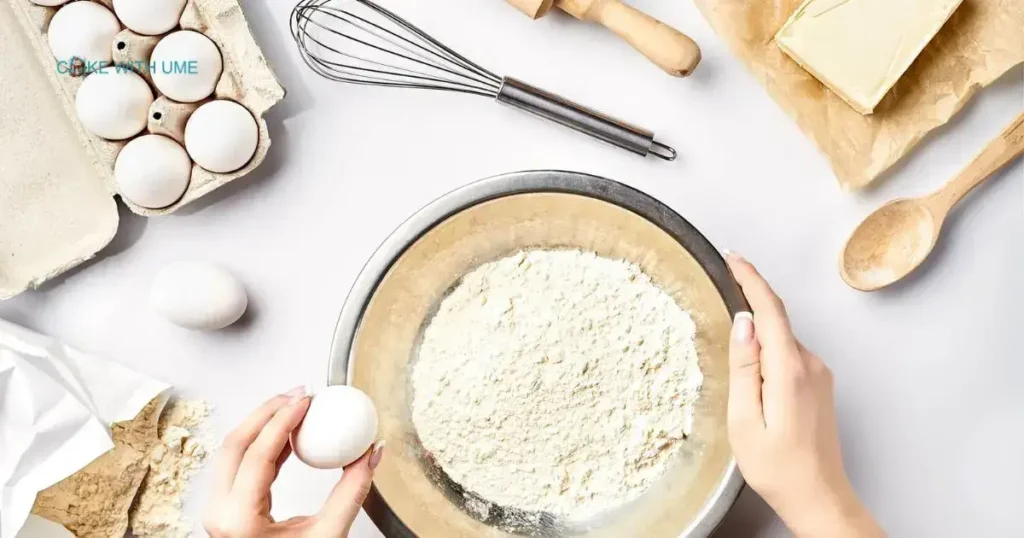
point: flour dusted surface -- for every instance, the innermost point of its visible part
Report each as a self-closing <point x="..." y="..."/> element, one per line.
<point x="156" y="511"/>
<point x="556" y="381"/>
<point x="139" y="483"/>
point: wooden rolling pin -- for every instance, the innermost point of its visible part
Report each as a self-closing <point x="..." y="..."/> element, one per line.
<point x="668" y="48"/>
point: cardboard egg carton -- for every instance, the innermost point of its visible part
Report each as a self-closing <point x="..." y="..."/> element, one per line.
<point x="57" y="189"/>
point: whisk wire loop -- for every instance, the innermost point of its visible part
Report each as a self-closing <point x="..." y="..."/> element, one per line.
<point x="341" y="44"/>
<point x="360" y="42"/>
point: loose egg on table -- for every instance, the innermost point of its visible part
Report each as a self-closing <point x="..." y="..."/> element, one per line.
<point x="221" y="136"/>
<point x="152" y="171"/>
<point x="149" y="17"/>
<point x="83" y="30"/>
<point x="114" y="104"/>
<point x="198" y="295"/>
<point x="338" y="429"/>
<point x="186" y="66"/>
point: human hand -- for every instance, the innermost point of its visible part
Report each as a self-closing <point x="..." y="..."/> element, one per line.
<point x="248" y="464"/>
<point x="782" y="423"/>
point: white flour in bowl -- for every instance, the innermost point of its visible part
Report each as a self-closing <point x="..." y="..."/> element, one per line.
<point x="556" y="381"/>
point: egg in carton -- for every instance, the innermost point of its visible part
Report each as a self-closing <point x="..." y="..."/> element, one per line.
<point x="56" y="193"/>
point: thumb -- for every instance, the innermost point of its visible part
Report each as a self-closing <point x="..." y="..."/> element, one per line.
<point x="745" y="410"/>
<point x="339" y="512"/>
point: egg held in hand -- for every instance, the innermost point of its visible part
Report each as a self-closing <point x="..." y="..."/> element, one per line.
<point x="338" y="429"/>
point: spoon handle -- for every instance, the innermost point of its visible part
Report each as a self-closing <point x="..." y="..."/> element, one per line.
<point x="1005" y="148"/>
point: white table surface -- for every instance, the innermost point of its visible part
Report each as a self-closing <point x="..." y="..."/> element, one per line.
<point x="929" y="373"/>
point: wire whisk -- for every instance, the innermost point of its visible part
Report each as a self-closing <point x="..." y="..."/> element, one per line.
<point x="360" y="42"/>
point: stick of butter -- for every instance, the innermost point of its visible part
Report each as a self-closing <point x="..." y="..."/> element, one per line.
<point x="860" y="48"/>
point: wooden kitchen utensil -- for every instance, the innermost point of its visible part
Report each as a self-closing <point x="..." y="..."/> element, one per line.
<point x="668" y="48"/>
<point x="895" y="239"/>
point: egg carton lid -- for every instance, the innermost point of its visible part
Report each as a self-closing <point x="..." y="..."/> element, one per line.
<point x="57" y="190"/>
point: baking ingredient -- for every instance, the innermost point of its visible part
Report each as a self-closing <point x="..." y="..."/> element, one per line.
<point x="556" y="381"/>
<point x="186" y="66"/>
<point x="152" y="171"/>
<point x="83" y="30"/>
<point x="149" y="17"/>
<point x="94" y="502"/>
<point x="39" y="527"/>
<point x="49" y="3"/>
<point x="198" y="295"/>
<point x="338" y="429"/>
<point x="57" y="207"/>
<point x="113" y="104"/>
<point x="221" y="136"/>
<point x="139" y="483"/>
<point x="860" y="48"/>
<point x="173" y="462"/>
<point x="975" y="48"/>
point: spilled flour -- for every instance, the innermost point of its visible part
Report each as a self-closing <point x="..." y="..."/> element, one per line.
<point x="172" y="463"/>
<point x="556" y="381"/>
<point x="139" y="483"/>
<point x="94" y="502"/>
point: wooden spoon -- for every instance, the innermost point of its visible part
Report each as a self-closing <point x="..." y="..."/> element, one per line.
<point x="895" y="239"/>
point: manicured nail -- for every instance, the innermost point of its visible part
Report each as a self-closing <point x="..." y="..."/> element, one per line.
<point x="297" y="394"/>
<point x="743" y="328"/>
<point x="378" y="452"/>
<point x="730" y="254"/>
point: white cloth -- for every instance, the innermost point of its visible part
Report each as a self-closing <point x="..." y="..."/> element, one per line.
<point x="56" y="408"/>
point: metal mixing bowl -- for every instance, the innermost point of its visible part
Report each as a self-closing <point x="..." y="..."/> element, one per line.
<point x="400" y="287"/>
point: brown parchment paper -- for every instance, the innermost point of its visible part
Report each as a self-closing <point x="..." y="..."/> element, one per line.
<point x="983" y="40"/>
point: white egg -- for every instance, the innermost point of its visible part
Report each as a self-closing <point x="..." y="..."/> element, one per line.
<point x="49" y="3"/>
<point x="83" y="30"/>
<point x="149" y="17"/>
<point x="114" y="104"/>
<point x="152" y="171"/>
<point x="339" y="428"/>
<point x="186" y="66"/>
<point x="198" y="295"/>
<point x="221" y="136"/>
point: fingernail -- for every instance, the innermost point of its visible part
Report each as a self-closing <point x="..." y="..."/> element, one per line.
<point x="730" y="254"/>
<point x="743" y="328"/>
<point x="296" y="394"/>
<point x="378" y="452"/>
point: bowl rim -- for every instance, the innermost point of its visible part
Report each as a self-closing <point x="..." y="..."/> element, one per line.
<point x="511" y="184"/>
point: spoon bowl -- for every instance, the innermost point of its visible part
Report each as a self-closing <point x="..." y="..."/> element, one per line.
<point x="889" y="244"/>
<point x="896" y="238"/>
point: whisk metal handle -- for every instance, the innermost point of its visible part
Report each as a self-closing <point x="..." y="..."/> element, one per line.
<point x="547" y="105"/>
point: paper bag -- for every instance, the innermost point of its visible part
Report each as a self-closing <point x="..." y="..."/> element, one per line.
<point x="56" y="408"/>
